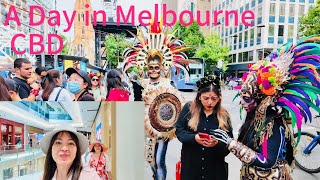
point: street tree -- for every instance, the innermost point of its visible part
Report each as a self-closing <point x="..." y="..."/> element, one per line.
<point x="212" y="51"/>
<point x="66" y="45"/>
<point x="115" y="44"/>
<point x="190" y="35"/>
<point x="310" y="23"/>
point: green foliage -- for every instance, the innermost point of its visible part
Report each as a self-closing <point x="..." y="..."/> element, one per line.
<point x="115" y="45"/>
<point x="310" y="23"/>
<point x="190" y="35"/>
<point x="65" y="48"/>
<point x="212" y="51"/>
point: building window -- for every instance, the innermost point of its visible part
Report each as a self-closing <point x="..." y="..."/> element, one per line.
<point x="311" y="1"/>
<point x="240" y="57"/>
<point x="245" y="57"/>
<point x="272" y="9"/>
<point x="291" y="20"/>
<point x="282" y="9"/>
<point x="270" y="40"/>
<point x="290" y="30"/>
<point x="234" y="58"/>
<point x="192" y="7"/>
<point x="271" y="30"/>
<point x="272" y="19"/>
<point x="250" y="56"/>
<point x="259" y="11"/>
<point x="280" y="40"/>
<point x="281" y="30"/>
<point x="301" y="10"/>
<point x="291" y="10"/>
<point x="281" y="19"/>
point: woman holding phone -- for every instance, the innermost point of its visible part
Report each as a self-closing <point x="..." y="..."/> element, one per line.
<point x="202" y="156"/>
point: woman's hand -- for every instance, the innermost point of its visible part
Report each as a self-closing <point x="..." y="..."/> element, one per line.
<point x="210" y="142"/>
<point x="199" y="140"/>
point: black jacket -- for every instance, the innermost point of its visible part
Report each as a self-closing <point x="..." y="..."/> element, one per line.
<point x="199" y="162"/>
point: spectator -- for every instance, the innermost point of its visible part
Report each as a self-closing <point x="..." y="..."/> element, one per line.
<point x="115" y="89"/>
<point x="4" y="93"/>
<point x="3" y="73"/>
<point x="13" y="89"/>
<point x="23" y="69"/>
<point x="52" y="90"/>
<point x="40" y="72"/>
<point x="97" y="90"/>
<point x="79" y="83"/>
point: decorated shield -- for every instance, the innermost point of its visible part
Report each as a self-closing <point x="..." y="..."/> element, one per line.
<point x="163" y="106"/>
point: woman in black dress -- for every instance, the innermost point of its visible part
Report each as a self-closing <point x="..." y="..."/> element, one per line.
<point x="203" y="157"/>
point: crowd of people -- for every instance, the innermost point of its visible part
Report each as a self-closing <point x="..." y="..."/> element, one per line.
<point x="39" y="84"/>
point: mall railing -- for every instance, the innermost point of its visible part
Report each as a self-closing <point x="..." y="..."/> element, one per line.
<point x="20" y="160"/>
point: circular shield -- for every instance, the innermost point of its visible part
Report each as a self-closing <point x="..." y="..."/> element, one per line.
<point x="162" y="110"/>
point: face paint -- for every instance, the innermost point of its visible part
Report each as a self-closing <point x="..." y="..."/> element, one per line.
<point x="249" y="87"/>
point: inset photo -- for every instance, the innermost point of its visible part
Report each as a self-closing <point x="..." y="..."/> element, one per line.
<point x="51" y="140"/>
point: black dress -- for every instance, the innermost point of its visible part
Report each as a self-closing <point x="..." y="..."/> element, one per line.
<point x="199" y="162"/>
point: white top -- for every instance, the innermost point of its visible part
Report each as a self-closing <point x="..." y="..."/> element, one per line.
<point x="63" y="96"/>
<point x="86" y="173"/>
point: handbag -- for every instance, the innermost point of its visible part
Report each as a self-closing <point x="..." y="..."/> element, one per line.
<point x="178" y="170"/>
<point x="278" y="171"/>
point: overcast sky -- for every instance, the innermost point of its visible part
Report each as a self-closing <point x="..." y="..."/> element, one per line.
<point x="68" y="5"/>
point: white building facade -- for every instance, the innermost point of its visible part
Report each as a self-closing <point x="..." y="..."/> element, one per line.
<point x="275" y="23"/>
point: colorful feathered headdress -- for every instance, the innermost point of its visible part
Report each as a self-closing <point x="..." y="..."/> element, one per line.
<point x="289" y="78"/>
<point x="154" y="39"/>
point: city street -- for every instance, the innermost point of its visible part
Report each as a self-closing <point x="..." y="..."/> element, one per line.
<point x="173" y="153"/>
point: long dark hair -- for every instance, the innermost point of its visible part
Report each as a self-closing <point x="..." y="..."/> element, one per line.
<point x="4" y="91"/>
<point x="50" y="82"/>
<point x="50" y="165"/>
<point x="114" y="81"/>
<point x="196" y="108"/>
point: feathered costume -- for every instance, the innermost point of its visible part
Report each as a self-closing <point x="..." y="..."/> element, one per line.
<point x="283" y="87"/>
<point x="163" y="102"/>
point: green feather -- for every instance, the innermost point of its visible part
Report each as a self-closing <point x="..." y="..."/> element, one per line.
<point x="294" y="92"/>
<point x="293" y="116"/>
<point x="306" y="87"/>
<point x="237" y="95"/>
<point x="311" y="94"/>
<point x="312" y="105"/>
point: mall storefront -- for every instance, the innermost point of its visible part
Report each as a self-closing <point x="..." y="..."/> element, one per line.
<point x="12" y="135"/>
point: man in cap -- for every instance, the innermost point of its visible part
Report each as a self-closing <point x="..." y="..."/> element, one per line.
<point x="78" y="84"/>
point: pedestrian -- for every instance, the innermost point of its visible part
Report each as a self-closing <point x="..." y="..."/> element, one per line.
<point x="63" y="148"/>
<point x="275" y="91"/>
<point x="52" y="90"/>
<point x="202" y="156"/>
<point x="40" y="73"/>
<point x="3" y="73"/>
<point x="79" y="84"/>
<point x="23" y="69"/>
<point x="115" y="89"/>
<point x="99" y="160"/>
<point x="97" y="89"/>
<point x="4" y="91"/>
<point x="13" y="89"/>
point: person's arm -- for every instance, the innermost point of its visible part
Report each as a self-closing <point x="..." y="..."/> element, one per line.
<point x="222" y="146"/>
<point x="249" y="156"/>
<point x="182" y="132"/>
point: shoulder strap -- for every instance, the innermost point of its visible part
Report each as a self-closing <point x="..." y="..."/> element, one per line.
<point x="58" y="94"/>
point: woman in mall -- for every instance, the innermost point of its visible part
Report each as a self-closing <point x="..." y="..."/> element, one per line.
<point x="63" y="148"/>
<point x="52" y="88"/>
<point x="99" y="160"/>
<point x="98" y="91"/>
<point x="202" y="156"/>
<point x="115" y="89"/>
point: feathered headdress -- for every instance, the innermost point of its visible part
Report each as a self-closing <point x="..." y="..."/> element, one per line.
<point x="155" y="39"/>
<point x="290" y="79"/>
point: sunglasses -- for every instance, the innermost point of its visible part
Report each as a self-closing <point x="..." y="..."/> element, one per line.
<point x="94" y="79"/>
<point x="153" y="68"/>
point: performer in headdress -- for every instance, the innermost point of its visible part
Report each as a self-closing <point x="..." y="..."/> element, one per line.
<point x="281" y="88"/>
<point x="157" y="52"/>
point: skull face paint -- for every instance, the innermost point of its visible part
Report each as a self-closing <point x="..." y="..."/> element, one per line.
<point x="249" y="87"/>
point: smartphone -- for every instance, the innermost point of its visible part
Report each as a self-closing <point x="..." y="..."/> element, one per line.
<point x="204" y="135"/>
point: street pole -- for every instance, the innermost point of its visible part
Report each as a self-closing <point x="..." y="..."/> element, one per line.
<point x="55" y="60"/>
<point x="43" y="58"/>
